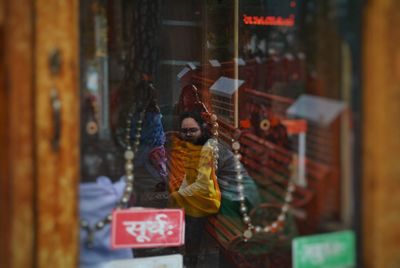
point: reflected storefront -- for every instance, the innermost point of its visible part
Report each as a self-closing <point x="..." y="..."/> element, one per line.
<point x="238" y="112"/>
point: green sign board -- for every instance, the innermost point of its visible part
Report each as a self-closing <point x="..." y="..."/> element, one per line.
<point x="332" y="250"/>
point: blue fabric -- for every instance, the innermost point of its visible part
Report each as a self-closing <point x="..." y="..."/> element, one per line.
<point x="152" y="136"/>
<point x="96" y="201"/>
<point x="152" y="133"/>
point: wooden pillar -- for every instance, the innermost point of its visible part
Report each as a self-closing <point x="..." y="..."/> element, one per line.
<point x="38" y="185"/>
<point x="16" y="138"/>
<point x="381" y="134"/>
<point x="57" y="169"/>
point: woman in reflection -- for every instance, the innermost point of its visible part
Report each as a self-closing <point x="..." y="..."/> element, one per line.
<point x="192" y="179"/>
<point x="196" y="184"/>
<point x="194" y="132"/>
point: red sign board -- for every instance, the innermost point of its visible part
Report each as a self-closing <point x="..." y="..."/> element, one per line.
<point x="269" y="20"/>
<point x="144" y="228"/>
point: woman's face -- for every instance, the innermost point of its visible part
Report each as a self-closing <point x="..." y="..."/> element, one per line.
<point x="190" y="130"/>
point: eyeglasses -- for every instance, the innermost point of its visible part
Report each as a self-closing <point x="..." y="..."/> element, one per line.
<point x="189" y="131"/>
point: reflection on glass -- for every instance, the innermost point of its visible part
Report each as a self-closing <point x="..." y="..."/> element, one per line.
<point x="230" y="112"/>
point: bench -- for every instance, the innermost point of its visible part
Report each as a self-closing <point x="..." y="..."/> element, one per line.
<point x="268" y="164"/>
<point x="262" y="250"/>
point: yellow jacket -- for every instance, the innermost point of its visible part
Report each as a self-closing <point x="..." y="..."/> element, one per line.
<point x="192" y="180"/>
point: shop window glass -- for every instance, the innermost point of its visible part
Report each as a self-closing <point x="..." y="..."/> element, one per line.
<point x="274" y="73"/>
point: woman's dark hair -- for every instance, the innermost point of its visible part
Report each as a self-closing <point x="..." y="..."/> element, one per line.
<point x="196" y="115"/>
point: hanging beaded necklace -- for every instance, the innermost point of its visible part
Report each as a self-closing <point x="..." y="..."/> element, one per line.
<point x="214" y="140"/>
<point x="250" y="228"/>
<point x="129" y="156"/>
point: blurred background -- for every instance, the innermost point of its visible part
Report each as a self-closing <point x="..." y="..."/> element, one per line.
<point x="313" y="86"/>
